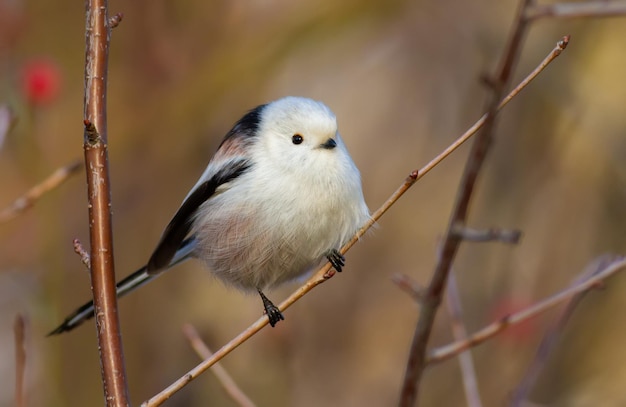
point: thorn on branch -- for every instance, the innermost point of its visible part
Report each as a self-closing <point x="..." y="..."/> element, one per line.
<point x="115" y="20"/>
<point x="510" y="236"/>
<point x="409" y="286"/>
<point x="91" y="133"/>
<point x="329" y="274"/>
<point x="84" y="255"/>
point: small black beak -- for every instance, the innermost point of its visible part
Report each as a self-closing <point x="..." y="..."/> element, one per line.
<point x="329" y="144"/>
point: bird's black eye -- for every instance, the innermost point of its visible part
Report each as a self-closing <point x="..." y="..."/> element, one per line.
<point x="297" y="139"/>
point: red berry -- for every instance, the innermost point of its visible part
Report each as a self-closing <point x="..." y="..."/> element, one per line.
<point x="41" y="81"/>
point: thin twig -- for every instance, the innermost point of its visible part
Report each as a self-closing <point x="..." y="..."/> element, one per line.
<point x="510" y="236"/>
<point x="577" y="10"/>
<point x="99" y="197"/>
<point x="446" y="352"/>
<point x="222" y="375"/>
<point x="19" y="328"/>
<point x="409" y="286"/>
<point x="466" y="362"/>
<point x="550" y="338"/>
<point x="416" y="361"/>
<point x="27" y="200"/>
<point x="561" y="45"/>
<point x="325" y="271"/>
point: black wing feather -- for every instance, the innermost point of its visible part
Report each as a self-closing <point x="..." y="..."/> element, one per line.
<point x="180" y="225"/>
<point x="247" y="126"/>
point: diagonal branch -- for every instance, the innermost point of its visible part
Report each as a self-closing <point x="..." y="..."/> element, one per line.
<point x="446" y="352"/>
<point x="227" y="382"/>
<point x="27" y="200"/>
<point x="451" y="242"/>
<point x="325" y="272"/>
<point x="550" y="339"/>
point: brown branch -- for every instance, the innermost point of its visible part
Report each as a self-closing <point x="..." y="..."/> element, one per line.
<point x="488" y="235"/>
<point x="227" y="382"/>
<point x="577" y="10"/>
<point x="552" y="334"/>
<point x="446" y="352"/>
<point x="417" y="354"/>
<point x="325" y="272"/>
<point x="19" y="328"/>
<point x="99" y="197"/>
<point x="27" y="200"/>
<point x="468" y="371"/>
<point x="409" y="286"/>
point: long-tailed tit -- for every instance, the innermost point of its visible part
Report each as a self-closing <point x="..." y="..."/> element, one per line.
<point x="280" y="196"/>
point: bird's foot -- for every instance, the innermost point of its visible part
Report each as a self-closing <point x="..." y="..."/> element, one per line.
<point x="273" y="313"/>
<point x="336" y="260"/>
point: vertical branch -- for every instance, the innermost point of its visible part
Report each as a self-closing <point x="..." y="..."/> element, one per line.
<point x="468" y="372"/>
<point x="432" y="299"/>
<point x="99" y="196"/>
<point x="19" y="328"/>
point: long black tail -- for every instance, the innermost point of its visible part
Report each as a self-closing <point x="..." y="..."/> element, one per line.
<point x="130" y="283"/>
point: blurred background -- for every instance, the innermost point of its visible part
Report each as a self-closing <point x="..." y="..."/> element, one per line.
<point x="403" y="78"/>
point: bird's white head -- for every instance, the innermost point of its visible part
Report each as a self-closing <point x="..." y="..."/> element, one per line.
<point x="301" y="132"/>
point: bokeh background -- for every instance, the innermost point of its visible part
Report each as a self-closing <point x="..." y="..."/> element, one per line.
<point x="403" y="78"/>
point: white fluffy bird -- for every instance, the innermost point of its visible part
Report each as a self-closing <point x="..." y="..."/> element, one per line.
<point x="279" y="197"/>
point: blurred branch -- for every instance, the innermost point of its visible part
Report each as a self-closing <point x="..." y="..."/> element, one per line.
<point x="409" y="286"/>
<point x="29" y="198"/>
<point x="577" y="10"/>
<point x="551" y="336"/>
<point x="19" y="328"/>
<point x="417" y="354"/>
<point x="99" y="196"/>
<point x="222" y="375"/>
<point x="468" y="371"/>
<point x="446" y="352"/>
<point x="7" y="122"/>
<point x="488" y="235"/>
<point x="325" y="271"/>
